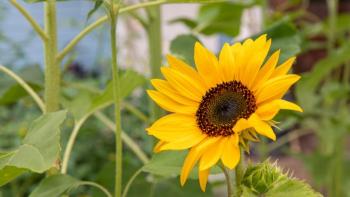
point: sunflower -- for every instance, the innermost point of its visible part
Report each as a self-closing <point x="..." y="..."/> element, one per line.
<point x="211" y="107"/>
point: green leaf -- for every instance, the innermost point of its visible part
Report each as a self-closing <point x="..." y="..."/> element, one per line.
<point x="9" y="173"/>
<point x="292" y="188"/>
<point x="306" y="88"/>
<point x="40" y="147"/>
<point x="15" y="92"/>
<point x="55" y="186"/>
<point x="285" y="37"/>
<point x="167" y="164"/>
<point x="97" y="5"/>
<point x="220" y="18"/>
<point x="183" y="47"/>
<point x="129" y="81"/>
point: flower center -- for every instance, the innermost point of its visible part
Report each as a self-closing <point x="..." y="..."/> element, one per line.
<point x="222" y="106"/>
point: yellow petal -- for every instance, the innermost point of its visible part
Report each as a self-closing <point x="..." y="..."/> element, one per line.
<point x="283" y="104"/>
<point x="157" y="147"/>
<point x="169" y="104"/>
<point x="261" y="127"/>
<point x="268" y="110"/>
<point x="236" y="51"/>
<point x="207" y="65"/>
<point x="260" y="48"/>
<point x="193" y="156"/>
<point x="175" y="128"/>
<point x="283" y="68"/>
<point x="203" y="178"/>
<point x="183" y="84"/>
<point x="212" y="155"/>
<point x="231" y="154"/>
<point x="226" y="63"/>
<point x="241" y="125"/>
<point x="165" y="88"/>
<point x="186" y="142"/>
<point x="243" y="59"/>
<point x="266" y="70"/>
<point x="275" y="86"/>
<point x="184" y="68"/>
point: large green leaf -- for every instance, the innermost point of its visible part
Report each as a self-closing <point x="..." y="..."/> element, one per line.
<point x="39" y="149"/>
<point x="55" y="186"/>
<point x="183" y="47"/>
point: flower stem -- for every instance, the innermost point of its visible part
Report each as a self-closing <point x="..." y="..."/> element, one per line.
<point x="229" y="182"/>
<point x="116" y="97"/>
<point x="52" y="70"/>
<point x="155" y="50"/>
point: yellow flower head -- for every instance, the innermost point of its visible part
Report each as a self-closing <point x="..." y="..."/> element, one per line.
<point x="213" y="105"/>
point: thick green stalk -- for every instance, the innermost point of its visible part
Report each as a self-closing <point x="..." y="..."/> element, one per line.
<point x="116" y="97"/>
<point x="52" y="69"/>
<point x="155" y="51"/>
<point x="229" y="181"/>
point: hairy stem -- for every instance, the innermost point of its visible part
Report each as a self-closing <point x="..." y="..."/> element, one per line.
<point x="155" y="51"/>
<point x="52" y="69"/>
<point x="116" y="97"/>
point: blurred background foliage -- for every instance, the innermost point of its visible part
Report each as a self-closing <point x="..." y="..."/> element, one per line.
<point x="314" y="145"/>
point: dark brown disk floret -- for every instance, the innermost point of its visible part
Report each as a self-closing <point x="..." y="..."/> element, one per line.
<point x="222" y="106"/>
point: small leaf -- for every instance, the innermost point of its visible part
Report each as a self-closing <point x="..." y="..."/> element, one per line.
<point x="129" y="81"/>
<point x="55" y="186"/>
<point x="40" y="147"/>
<point x="97" y="5"/>
<point x="183" y="47"/>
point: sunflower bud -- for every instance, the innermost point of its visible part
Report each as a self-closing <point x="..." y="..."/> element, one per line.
<point x="261" y="177"/>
